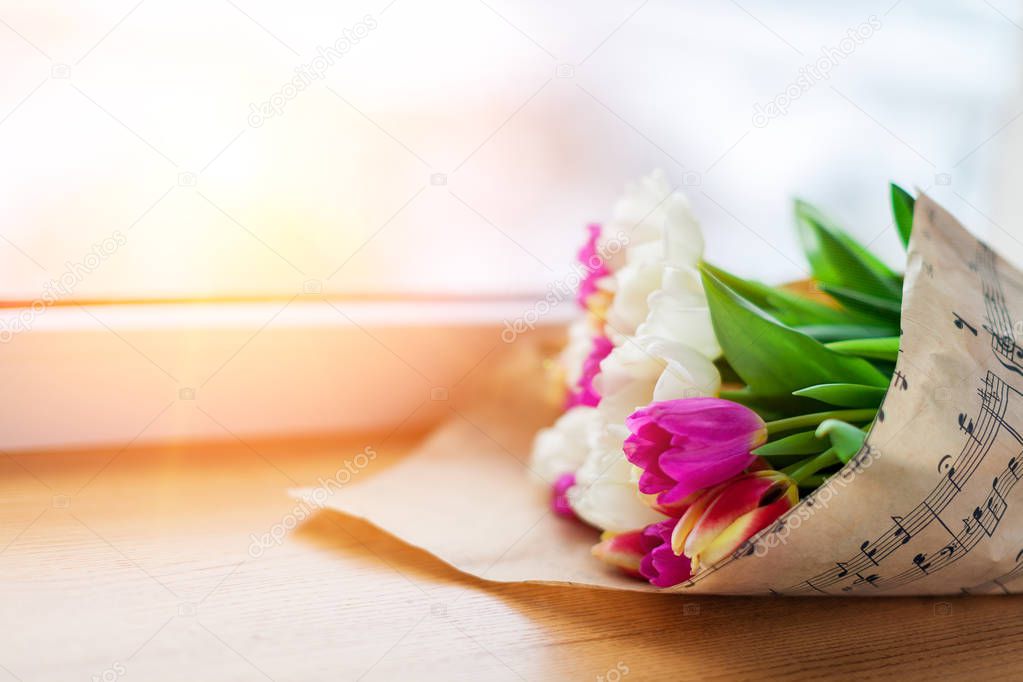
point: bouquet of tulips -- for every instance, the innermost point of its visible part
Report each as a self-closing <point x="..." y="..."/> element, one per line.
<point x="701" y="405"/>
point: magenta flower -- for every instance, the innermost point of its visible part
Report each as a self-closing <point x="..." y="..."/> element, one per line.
<point x="714" y="524"/>
<point x="661" y="566"/>
<point x="645" y="554"/>
<point x="594" y="265"/>
<point x="691" y="444"/>
<point x="559" y="496"/>
<point x="584" y="393"/>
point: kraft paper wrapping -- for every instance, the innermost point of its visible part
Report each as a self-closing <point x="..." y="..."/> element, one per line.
<point x="930" y="506"/>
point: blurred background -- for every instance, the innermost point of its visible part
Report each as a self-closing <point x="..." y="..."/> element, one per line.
<point x="248" y="149"/>
<point x="292" y="182"/>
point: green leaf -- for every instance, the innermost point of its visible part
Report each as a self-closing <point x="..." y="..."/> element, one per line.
<point x="787" y="307"/>
<point x="771" y="407"/>
<point x="844" y="395"/>
<point x="886" y="349"/>
<point x="846" y="439"/>
<point x="839" y="260"/>
<point x="774" y="359"/>
<point x="875" y="306"/>
<point x="902" y="209"/>
<point x="829" y="333"/>
<point x="806" y="443"/>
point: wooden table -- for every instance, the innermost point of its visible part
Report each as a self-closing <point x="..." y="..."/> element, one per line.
<point x="140" y="564"/>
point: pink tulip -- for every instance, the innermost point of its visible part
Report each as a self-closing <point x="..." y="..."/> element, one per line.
<point x="660" y="565"/>
<point x="723" y="517"/>
<point x="691" y="444"/>
<point x="647" y="553"/>
<point x="594" y="265"/>
<point x="584" y="393"/>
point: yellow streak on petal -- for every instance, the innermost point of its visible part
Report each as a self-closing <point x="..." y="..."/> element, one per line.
<point x="689" y="520"/>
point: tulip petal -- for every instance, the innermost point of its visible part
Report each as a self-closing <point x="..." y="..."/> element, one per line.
<point x="559" y="496"/>
<point x="691" y="517"/>
<point x="661" y="566"/>
<point x="593" y="264"/>
<point x="584" y="392"/>
<point x="622" y="550"/>
<point x="701" y="473"/>
<point x="741" y="496"/>
<point x="743" y="528"/>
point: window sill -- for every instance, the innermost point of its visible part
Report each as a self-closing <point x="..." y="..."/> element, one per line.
<point x="90" y="376"/>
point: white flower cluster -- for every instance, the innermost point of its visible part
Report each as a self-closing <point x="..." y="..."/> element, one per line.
<point x="664" y="348"/>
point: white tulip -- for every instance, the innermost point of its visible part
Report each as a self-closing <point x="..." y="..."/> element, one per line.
<point x="578" y="348"/>
<point x="679" y="312"/>
<point x="629" y="308"/>
<point x="605" y="493"/>
<point x="662" y="233"/>
<point x="650" y="210"/>
<point x="647" y="369"/>
<point x="563" y="447"/>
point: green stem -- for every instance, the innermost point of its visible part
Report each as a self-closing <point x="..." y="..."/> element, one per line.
<point x="801" y="471"/>
<point x="808" y="421"/>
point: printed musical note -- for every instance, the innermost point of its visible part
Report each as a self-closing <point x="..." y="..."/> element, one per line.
<point x="870" y="579"/>
<point x="980" y="517"/>
<point x="995" y="502"/>
<point x="920" y="561"/>
<point x="967" y="529"/>
<point x="966" y="425"/>
<point x="900" y="381"/>
<point x="901" y="531"/>
<point x="949" y="476"/>
<point x="945" y="466"/>
<point x="963" y="324"/>
<point x="869" y="553"/>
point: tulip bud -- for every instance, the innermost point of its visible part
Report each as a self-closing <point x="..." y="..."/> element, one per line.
<point x="660" y="565"/>
<point x="724" y="517"/>
<point x="691" y="444"/>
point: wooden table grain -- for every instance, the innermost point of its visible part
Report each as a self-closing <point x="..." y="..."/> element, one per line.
<point x="153" y="564"/>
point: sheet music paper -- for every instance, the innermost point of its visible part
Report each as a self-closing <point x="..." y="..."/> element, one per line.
<point x="930" y="505"/>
